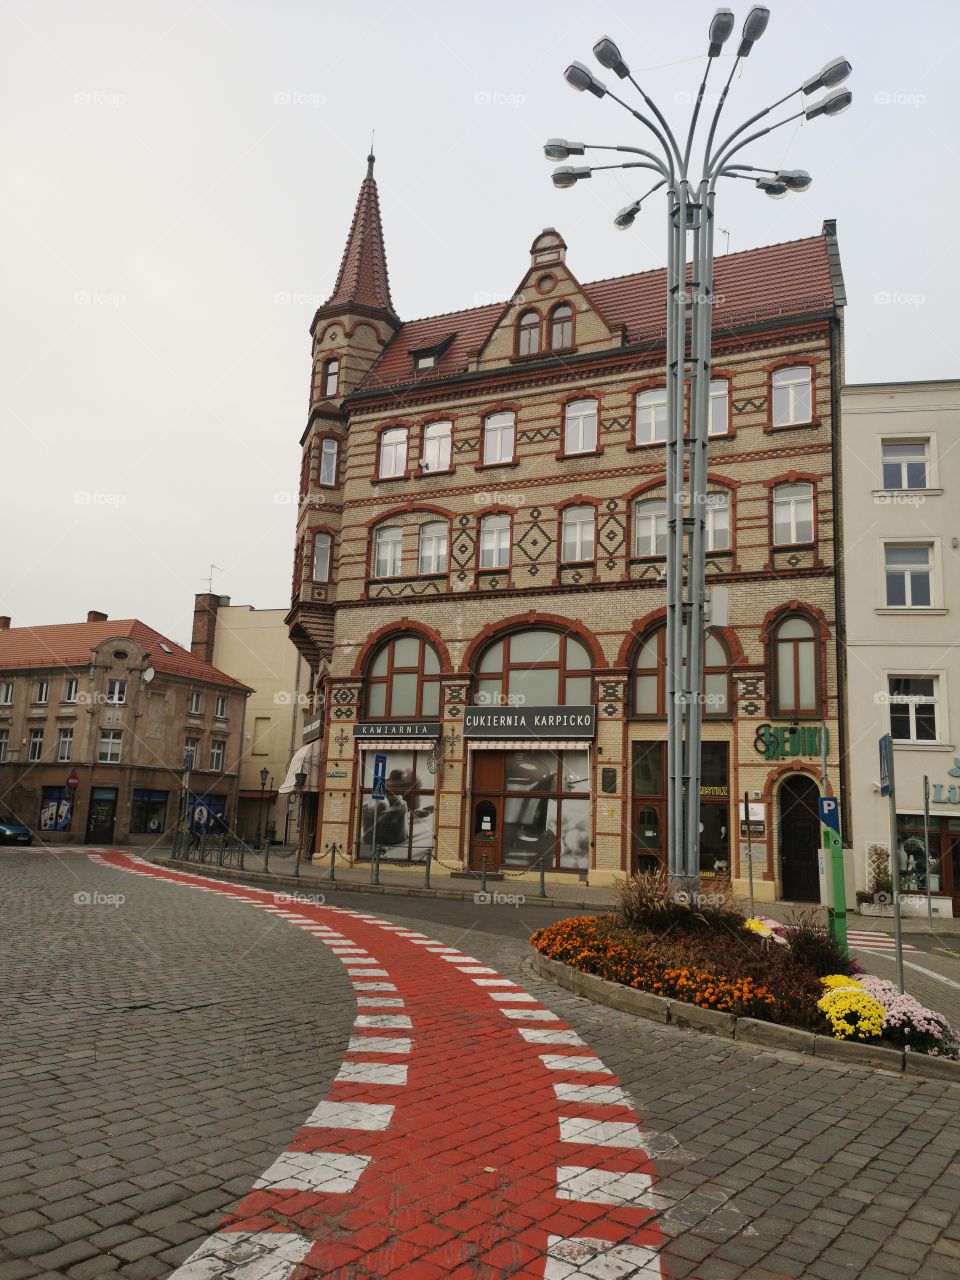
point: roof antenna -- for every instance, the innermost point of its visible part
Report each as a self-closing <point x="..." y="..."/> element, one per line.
<point x="371" y="157"/>
<point x="724" y="232"/>
<point x="213" y="568"/>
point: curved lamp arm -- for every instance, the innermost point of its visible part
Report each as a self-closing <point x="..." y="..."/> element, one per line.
<point x="760" y="133"/>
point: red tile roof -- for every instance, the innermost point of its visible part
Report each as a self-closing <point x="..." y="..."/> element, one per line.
<point x="786" y="280"/>
<point x="363" y="274"/>
<point x="68" y="645"/>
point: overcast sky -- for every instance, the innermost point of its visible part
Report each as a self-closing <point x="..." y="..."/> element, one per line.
<point x="177" y="184"/>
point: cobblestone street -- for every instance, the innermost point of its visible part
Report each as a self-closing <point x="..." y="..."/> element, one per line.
<point x="208" y="1081"/>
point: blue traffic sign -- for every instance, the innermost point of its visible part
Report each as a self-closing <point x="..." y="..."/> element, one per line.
<point x="886" y="756"/>
<point x="379" y="788"/>
<point x="830" y="812"/>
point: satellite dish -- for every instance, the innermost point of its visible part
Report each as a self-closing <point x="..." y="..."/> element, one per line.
<point x="148" y="675"/>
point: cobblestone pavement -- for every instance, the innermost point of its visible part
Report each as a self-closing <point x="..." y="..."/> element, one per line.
<point x="164" y="1055"/>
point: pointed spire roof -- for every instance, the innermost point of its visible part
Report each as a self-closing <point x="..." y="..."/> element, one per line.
<point x="363" y="277"/>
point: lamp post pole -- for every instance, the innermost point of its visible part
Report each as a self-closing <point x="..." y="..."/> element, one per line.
<point x="264" y="774"/>
<point x="301" y="782"/>
<point x="690" y="193"/>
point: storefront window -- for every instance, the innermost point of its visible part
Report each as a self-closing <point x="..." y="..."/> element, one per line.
<point x="650" y="807"/>
<point x="534" y="668"/>
<point x="404" y="819"/>
<point x="912" y="851"/>
<point x="403" y="681"/>
<point x="56" y="809"/>
<point x="148" y="812"/>
<point x="546" y="810"/>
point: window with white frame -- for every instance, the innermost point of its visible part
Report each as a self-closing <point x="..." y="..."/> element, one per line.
<point x="528" y="334"/>
<point x="328" y="461"/>
<point x="792" y="396"/>
<point x="650" y="527"/>
<point x="651" y="416"/>
<point x="223" y="703"/>
<point x="495" y="542"/>
<point x="905" y="463"/>
<point x="498" y="436"/>
<point x="393" y="453"/>
<point x="64" y="744"/>
<point x="577" y="528"/>
<point x="433" y="547"/>
<point x="718" y="521"/>
<point x="435" y="447"/>
<point x="116" y="692"/>
<point x="719" y="419"/>
<point x="70" y="687"/>
<point x="108" y="752"/>
<point x="191" y="752"/>
<point x="387" y="551"/>
<point x="322" y="543"/>
<point x="6" y="693"/>
<point x="40" y="691"/>
<point x="580" y="427"/>
<point x="913" y="708"/>
<point x="331" y="377"/>
<point x="216" y="755"/>
<point x="4" y="744"/>
<point x="35" y="745"/>
<point x="792" y="514"/>
<point x="196" y="703"/>
<point x="908" y="575"/>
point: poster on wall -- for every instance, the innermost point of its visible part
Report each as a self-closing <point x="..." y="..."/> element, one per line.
<point x="56" y="809"/>
<point x="206" y="813"/>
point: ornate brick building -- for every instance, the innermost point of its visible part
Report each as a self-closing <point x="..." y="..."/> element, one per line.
<point x="479" y="575"/>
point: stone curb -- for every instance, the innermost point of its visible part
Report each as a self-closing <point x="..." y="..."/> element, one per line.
<point x="768" y="1035"/>
<point x="312" y="885"/>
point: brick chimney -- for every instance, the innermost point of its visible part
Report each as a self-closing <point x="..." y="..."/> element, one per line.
<point x="95" y="615"/>
<point x="205" y="608"/>
<point x="4" y="623"/>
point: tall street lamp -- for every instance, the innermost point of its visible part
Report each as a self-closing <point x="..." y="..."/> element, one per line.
<point x="264" y="775"/>
<point x="690" y="190"/>
<point x="300" y="780"/>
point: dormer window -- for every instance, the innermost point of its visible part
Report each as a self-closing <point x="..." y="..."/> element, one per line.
<point x="429" y="357"/>
<point x="428" y="360"/>
<point x="528" y="334"/>
<point x="561" y="327"/>
<point x="331" y="378"/>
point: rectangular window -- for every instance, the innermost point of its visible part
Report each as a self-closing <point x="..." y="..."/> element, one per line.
<point x="70" y="686"/>
<point x="433" y="547"/>
<point x="580" y="427"/>
<point x="191" y="752"/>
<point x="321" y="557"/>
<point x="4" y="743"/>
<point x="388" y="552"/>
<point x="495" y="542"/>
<point x="35" y="748"/>
<point x="116" y="692"/>
<point x="718" y="522"/>
<point x="905" y="463"/>
<point x="261" y="736"/>
<point x="719" y="422"/>
<point x="651" y="415"/>
<point x="216" y="756"/>
<point x="6" y="693"/>
<point x="435" y="447"/>
<point x="578" y="541"/>
<point x="650" y="528"/>
<point x="328" y="462"/>
<point x="196" y="703"/>
<point x="498" y="434"/>
<point x="908" y="576"/>
<point x="792" y="514"/>
<point x="222" y="706"/>
<point x="405" y="817"/>
<point x="40" y="691"/>
<point x="64" y="744"/>
<point x="792" y="396"/>
<point x="913" y="708"/>
<point x="148" y="812"/>
<point x="393" y="453"/>
<point x="108" y="751"/>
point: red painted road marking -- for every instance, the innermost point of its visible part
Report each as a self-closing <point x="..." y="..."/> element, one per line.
<point x="498" y="1149"/>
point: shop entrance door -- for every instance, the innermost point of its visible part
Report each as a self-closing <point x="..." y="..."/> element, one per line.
<point x="102" y="815"/>
<point x="799" y="839"/>
<point x="649" y="835"/>
<point x="486" y="818"/>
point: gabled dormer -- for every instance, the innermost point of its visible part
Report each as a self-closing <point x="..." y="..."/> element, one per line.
<point x="550" y="315"/>
<point x="358" y="319"/>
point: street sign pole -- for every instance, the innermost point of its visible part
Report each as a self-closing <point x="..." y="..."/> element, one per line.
<point x="926" y="846"/>
<point x="746" y="814"/>
<point x="834" y="870"/>
<point x="888" y="788"/>
<point x="379" y="792"/>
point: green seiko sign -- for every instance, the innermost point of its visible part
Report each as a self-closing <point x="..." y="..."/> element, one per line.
<point x="788" y="741"/>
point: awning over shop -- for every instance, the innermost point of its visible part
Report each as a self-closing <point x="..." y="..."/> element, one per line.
<point x="305" y="760"/>
<point x="397" y="744"/>
<point x="270" y="793"/>
<point x="528" y="744"/>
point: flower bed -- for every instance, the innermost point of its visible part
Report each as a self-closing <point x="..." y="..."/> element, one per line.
<point x="757" y="968"/>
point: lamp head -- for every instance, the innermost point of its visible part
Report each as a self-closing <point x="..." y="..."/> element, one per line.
<point x="831" y="105"/>
<point x="754" y="25"/>
<point x="775" y="188"/>
<point x="608" y="55"/>
<point x="833" y="73"/>
<point x="721" y="25"/>
<point x="627" y="216"/>
<point x="580" y="77"/>
<point x="562" y="148"/>
<point x="794" y="179"/>
<point x="264" y="775"/>
<point x="568" y="176"/>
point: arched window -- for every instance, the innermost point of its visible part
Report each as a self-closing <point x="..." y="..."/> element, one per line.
<point x="650" y="527"/>
<point x="792" y="396"/>
<point x="435" y="447"/>
<point x="651" y="416"/>
<point x="328" y="461"/>
<point x="580" y="426"/>
<point x="561" y="327"/>
<point x="498" y="437"/>
<point x="403" y="680"/>
<point x="393" y="452"/>
<point x="387" y="551"/>
<point x="792" y="514"/>
<point x="528" y="334"/>
<point x="433" y="547"/>
<point x="534" y="668"/>
<point x="495" y="542"/>
<point x="331" y="377"/>
<point x="649" y="675"/>
<point x="322" y="544"/>
<point x="577" y="529"/>
<point x="795" y="676"/>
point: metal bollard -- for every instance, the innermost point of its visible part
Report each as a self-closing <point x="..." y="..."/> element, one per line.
<point x="240" y="851"/>
<point x="543" y="876"/>
<point x="296" y="862"/>
<point x="483" y="874"/>
<point x="426" y="870"/>
<point x="333" y="857"/>
<point x="266" y="856"/>
<point x="375" y="865"/>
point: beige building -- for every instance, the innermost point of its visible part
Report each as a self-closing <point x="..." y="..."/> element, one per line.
<point x="901" y="495"/>
<point x="97" y="721"/>
<point x="254" y="646"/>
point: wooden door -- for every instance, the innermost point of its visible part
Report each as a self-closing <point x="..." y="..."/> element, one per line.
<point x="799" y="839"/>
<point x="486" y="816"/>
